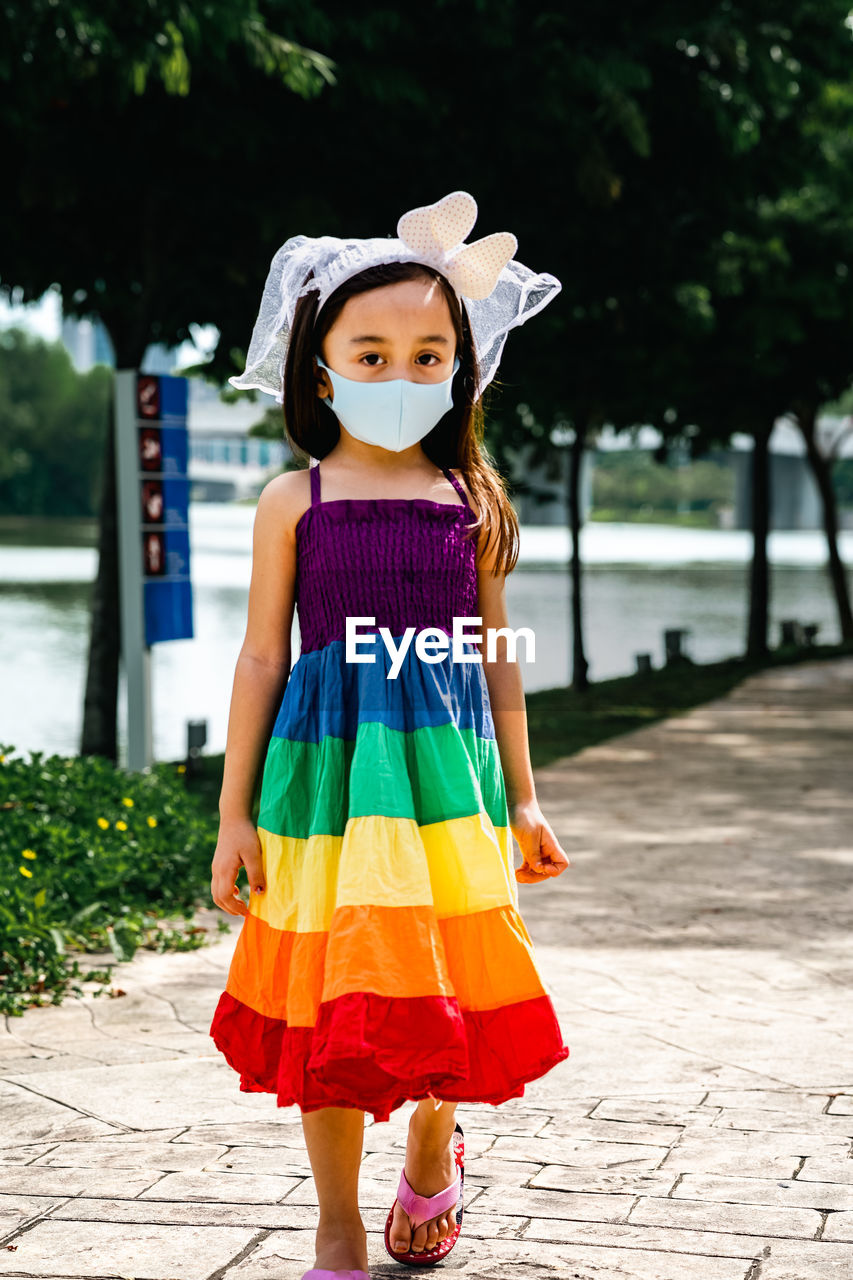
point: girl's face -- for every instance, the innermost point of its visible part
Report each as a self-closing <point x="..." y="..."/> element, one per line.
<point x="401" y="330"/>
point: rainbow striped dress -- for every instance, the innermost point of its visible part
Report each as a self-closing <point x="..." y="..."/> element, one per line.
<point x="386" y="959"/>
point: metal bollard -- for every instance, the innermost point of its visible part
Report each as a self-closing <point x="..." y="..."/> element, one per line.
<point x="196" y="738"/>
<point x="672" y="643"/>
<point x="790" y="632"/>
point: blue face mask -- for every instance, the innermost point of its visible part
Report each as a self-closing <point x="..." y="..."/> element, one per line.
<point x="393" y="415"/>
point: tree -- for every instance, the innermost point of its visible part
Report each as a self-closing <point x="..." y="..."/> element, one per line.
<point x="52" y="438"/>
<point x="114" y="122"/>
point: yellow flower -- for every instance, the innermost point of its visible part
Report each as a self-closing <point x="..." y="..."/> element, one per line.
<point x="25" y="871"/>
<point x="128" y="801"/>
<point x="152" y="822"/>
<point x="2" y="759"/>
<point x="28" y="853"/>
<point x="182" y="768"/>
<point x="122" y="826"/>
<point x="103" y="824"/>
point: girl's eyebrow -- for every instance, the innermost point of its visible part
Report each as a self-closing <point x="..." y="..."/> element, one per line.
<point x="372" y="337"/>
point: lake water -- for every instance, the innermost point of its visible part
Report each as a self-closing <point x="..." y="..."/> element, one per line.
<point x="638" y="580"/>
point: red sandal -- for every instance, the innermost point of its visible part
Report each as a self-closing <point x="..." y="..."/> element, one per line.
<point x="421" y="1208"/>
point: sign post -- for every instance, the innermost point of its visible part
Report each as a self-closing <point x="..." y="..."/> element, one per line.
<point x="153" y="535"/>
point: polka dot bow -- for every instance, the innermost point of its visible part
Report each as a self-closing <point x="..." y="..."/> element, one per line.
<point x="437" y="231"/>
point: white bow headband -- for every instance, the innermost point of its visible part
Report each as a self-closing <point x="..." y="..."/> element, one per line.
<point x="498" y="293"/>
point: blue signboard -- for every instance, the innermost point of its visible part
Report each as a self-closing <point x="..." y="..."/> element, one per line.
<point x="161" y="408"/>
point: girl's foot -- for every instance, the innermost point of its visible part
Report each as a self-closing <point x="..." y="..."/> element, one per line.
<point x="341" y="1245"/>
<point x="430" y="1167"/>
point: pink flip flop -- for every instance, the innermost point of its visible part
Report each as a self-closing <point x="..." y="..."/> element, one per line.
<point x="421" y="1208"/>
<point x="320" y="1273"/>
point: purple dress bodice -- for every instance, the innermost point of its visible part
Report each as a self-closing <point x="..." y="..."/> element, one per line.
<point x="403" y="561"/>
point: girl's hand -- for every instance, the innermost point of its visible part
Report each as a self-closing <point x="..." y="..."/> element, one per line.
<point x="543" y="855"/>
<point x="238" y="846"/>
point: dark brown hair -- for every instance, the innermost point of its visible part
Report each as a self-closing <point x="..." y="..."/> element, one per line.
<point x="456" y="441"/>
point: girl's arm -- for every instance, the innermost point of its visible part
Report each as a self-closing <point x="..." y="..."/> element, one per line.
<point x="542" y="853"/>
<point x="263" y="664"/>
<point x="263" y="668"/>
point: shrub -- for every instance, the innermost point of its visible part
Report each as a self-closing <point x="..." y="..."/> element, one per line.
<point x="93" y="857"/>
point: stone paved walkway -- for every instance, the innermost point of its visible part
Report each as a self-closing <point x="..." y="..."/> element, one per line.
<point x="699" y="954"/>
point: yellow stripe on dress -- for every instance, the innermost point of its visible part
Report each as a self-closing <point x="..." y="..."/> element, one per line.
<point x="457" y="867"/>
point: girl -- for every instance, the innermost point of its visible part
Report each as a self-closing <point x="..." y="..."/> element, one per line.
<point x="382" y="957"/>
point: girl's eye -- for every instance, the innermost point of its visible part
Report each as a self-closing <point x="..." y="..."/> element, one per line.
<point x="429" y="356"/>
<point x="372" y="356"/>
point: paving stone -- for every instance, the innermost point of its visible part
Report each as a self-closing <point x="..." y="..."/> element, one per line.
<point x="785" y="1122"/>
<point x="199" y="1213"/>
<point x="612" y="1131"/>
<point x="760" y="1155"/>
<point x="165" y="1156"/>
<point x="24" y="1065"/>
<point x="791" y="1191"/>
<point x="159" y="1252"/>
<point x="25" y="1117"/>
<point x="43" y="1180"/>
<point x="836" y="1168"/>
<point x="750" y="1219"/>
<point x="805" y="1260"/>
<point x="550" y="1262"/>
<point x="788" y="1100"/>
<point x="102" y="1050"/>
<point x="16" y="1210"/>
<point x="253" y="1188"/>
<point x="691" y="1109"/>
<point x="842" y="1105"/>
<point x="149" y="1094"/>
<point x="522" y="1123"/>
<point x="839" y="1226"/>
<point x="631" y="1235"/>
<point x="270" y="1258"/>
<point x="580" y="1152"/>
<point x="534" y="1260"/>
<point x="285" y="1131"/>
<point x="25" y="1154"/>
<point x="292" y="1163"/>
<point x="559" y="1177"/>
<point x="530" y="1203"/>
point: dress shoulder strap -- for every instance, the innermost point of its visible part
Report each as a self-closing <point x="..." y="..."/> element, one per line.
<point x="315" y="485"/>
<point x="456" y="485"/>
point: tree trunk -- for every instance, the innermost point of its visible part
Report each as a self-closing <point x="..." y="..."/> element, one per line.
<point x="99" y="735"/>
<point x="579" y="679"/>
<point x="822" y="470"/>
<point x="759" y="575"/>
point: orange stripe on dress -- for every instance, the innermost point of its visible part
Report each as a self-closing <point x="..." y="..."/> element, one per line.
<point x="390" y="951"/>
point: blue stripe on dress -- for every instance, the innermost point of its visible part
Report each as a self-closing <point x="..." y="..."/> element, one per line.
<point x="326" y="696"/>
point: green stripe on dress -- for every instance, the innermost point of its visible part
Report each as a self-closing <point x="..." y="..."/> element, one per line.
<point x="429" y="774"/>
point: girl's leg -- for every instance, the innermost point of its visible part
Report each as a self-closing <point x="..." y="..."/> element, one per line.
<point x="334" y="1137"/>
<point x="429" y="1169"/>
